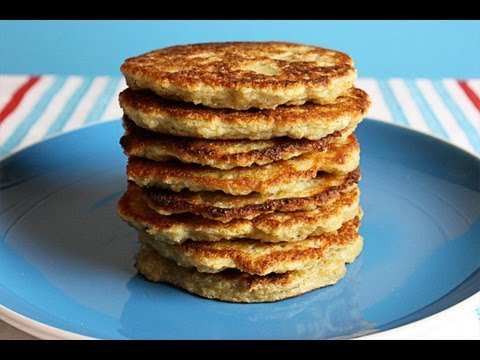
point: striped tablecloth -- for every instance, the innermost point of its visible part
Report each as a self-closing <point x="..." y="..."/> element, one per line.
<point x="35" y="107"/>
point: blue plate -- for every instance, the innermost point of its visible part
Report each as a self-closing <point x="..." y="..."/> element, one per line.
<point x="67" y="259"/>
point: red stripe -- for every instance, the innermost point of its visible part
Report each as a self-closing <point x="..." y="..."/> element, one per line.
<point x="470" y="93"/>
<point x="17" y="97"/>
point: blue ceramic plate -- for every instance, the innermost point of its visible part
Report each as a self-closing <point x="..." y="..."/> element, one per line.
<point x="67" y="259"/>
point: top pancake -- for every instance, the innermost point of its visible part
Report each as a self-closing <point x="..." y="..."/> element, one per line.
<point x="243" y="75"/>
<point x="308" y="121"/>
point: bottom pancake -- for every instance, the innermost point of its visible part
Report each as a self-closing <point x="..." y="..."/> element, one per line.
<point x="236" y="286"/>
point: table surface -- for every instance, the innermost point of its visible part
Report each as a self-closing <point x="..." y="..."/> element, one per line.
<point x="35" y="107"/>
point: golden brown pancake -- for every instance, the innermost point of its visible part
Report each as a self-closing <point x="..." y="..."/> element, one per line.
<point x="243" y="168"/>
<point x="274" y="227"/>
<point x="224" y="207"/>
<point x="236" y="286"/>
<point x="220" y="154"/>
<point x="308" y="121"/>
<point x="253" y="256"/>
<point x="242" y="75"/>
<point x="267" y="179"/>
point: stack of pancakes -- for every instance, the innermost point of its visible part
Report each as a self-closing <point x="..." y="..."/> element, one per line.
<point x="243" y="167"/>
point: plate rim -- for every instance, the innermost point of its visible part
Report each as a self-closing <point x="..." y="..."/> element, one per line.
<point x="401" y="332"/>
<point x="44" y="331"/>
<point x="37" y="328"/>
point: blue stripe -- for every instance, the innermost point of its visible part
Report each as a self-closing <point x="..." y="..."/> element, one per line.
<point x="102" y="101"/>
<point x="426" y="110"/>
<point x="392" y="103"/>
<point x="70" y="107"/>
<point x="33" y="116"/>
<point x="470" y="132"/>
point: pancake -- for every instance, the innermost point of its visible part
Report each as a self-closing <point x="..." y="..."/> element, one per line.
<point x="308" y="121"/>
<point x="252" y="256"/>
<point x="267" y="179"/>
<point x="223" y="207"/>
<point x="220" y="154"/>
<point x="242" y="75"/>
<point x="236" y="286"/>
<point x="274" y="227"/>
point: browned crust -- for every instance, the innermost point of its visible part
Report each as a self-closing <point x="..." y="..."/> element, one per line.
<point x="240" y="181"/>
<point x="296" y="252"/>
<point x="191" y="70"/>
<point x="140" y="142"/>
<point x="277" y="280"/>
<point x="135" y="211"/>
<point x="162" y="200"/>
<point x="236" y="286"/>
<point x="308" y="250"/>
<point x="354" y="104"/>
<point x="252" y="281"/>
<point x="248" y="281"/>
<point x="355" y="101"/>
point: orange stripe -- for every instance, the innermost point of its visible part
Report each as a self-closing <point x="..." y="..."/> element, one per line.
<point x="17" y="97"/>
<point x="470" y="93"/>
